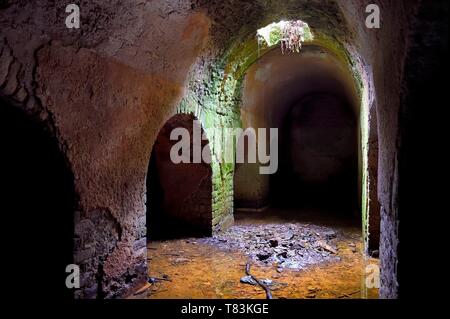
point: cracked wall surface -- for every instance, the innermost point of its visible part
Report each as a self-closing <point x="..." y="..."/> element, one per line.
<point x="271" y="89"/>
<point x="106" y="90"/>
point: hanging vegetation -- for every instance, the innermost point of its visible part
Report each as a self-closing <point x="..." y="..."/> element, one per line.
<point x="289" y="34"/>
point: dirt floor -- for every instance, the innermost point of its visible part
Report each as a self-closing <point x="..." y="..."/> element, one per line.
<point x="297" y="255"/>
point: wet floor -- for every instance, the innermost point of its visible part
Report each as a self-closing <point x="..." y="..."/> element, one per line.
<point x="200" y="268"/>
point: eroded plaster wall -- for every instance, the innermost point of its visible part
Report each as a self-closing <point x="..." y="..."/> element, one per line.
<point x="106" y="90"/>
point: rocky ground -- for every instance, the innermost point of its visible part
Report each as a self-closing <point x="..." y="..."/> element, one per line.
<point x="292" y="246"/>
<point x="309" y="258"/>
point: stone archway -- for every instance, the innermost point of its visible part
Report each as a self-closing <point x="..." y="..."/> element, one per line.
<point x="319" y="154"/>
<point x="314" y="104"/>
<point x="179" y="196"/>
<point x="39" y="204"/>
<point x="373" y="205"/>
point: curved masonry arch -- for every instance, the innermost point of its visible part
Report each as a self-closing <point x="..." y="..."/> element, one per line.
<point x="105" y="90"/>
<point x="224" y="84"/>
<point x="179" y="196"/>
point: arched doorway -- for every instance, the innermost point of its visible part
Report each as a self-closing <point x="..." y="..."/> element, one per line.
<point x="318" y="155"/>
<point x="313" y="102"/>
<point x="179" y="195"/>
<point x="374" y="219"/>
<point x="39" y="206"/>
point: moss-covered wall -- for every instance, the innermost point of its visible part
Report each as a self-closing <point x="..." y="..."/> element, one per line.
<point x="107" y="89"/>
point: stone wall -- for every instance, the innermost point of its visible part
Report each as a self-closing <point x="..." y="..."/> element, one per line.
<point x="105" y="91"/>
<point x="373" y="244"/>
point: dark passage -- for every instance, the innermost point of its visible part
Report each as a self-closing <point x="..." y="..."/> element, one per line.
<point x="318" y="156"/>
<point x="39" y="204"/>
<point x="178" y="195"/>
<point x="311" y="99"/>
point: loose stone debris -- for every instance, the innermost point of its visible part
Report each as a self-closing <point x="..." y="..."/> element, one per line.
<point x="291" y="246"/>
